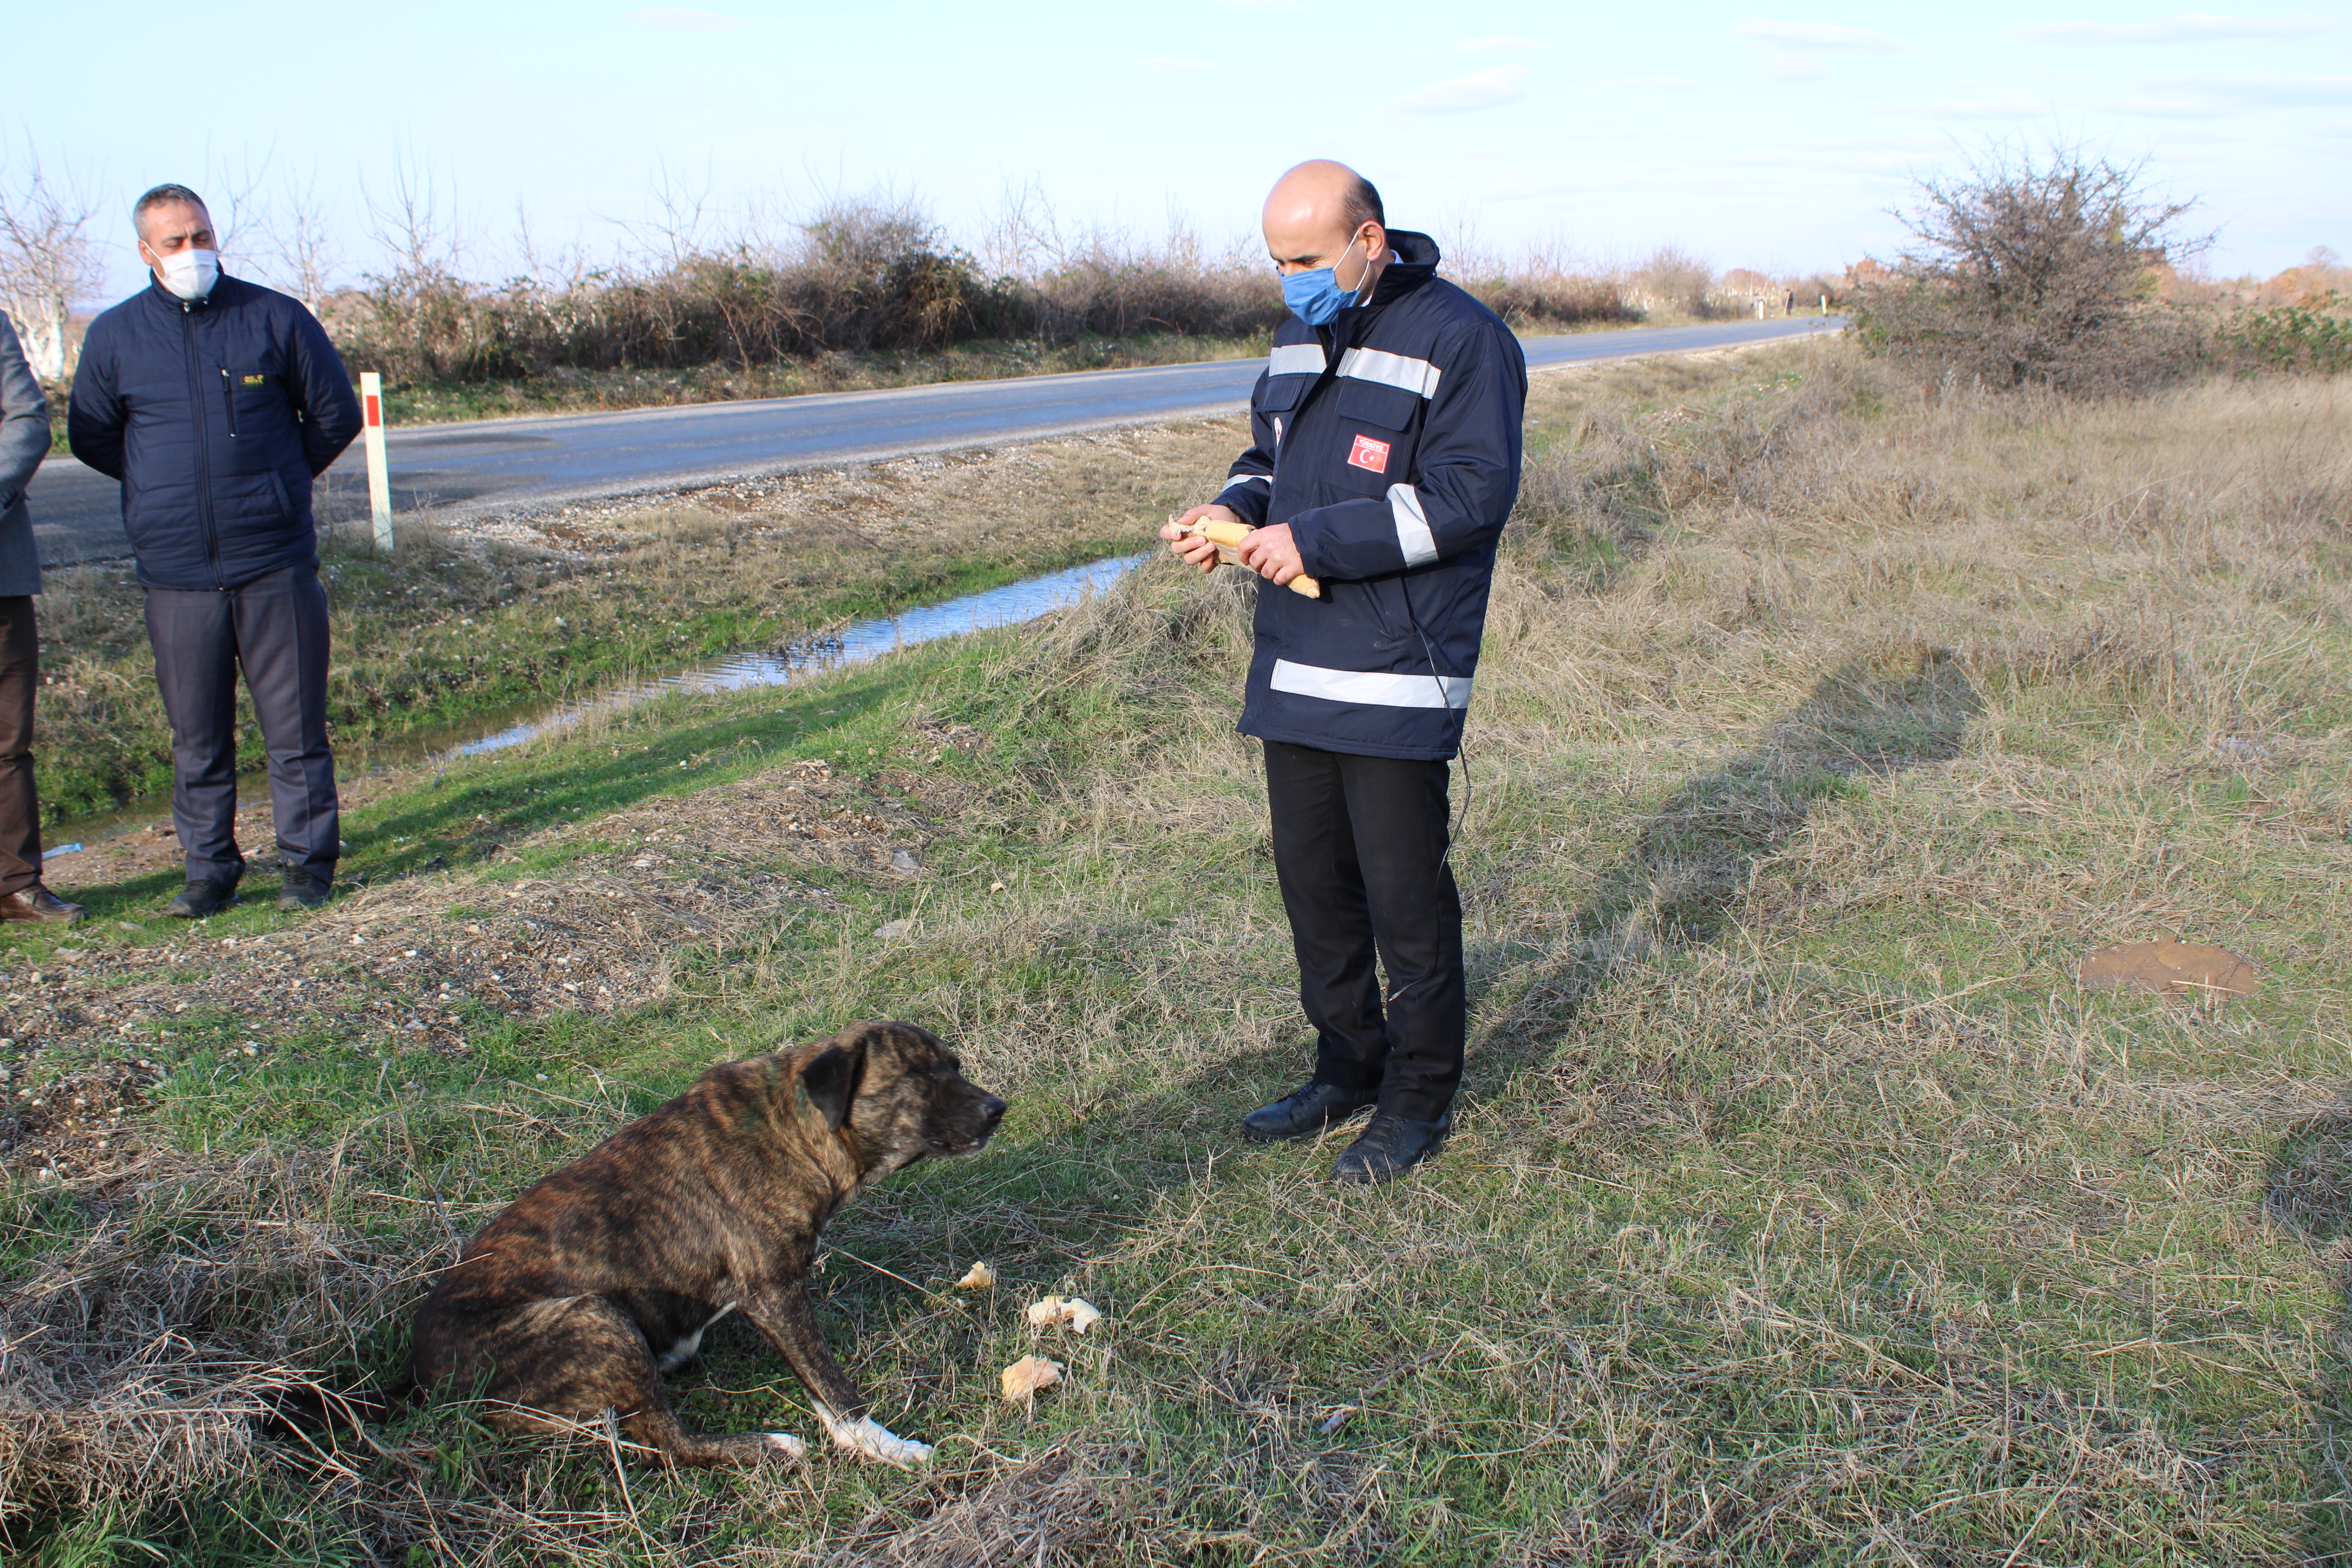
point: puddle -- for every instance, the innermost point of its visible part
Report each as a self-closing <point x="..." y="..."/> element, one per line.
<point x="856" y="644"/>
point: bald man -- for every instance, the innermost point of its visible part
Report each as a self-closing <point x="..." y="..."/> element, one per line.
<point x="1385" y="459"/>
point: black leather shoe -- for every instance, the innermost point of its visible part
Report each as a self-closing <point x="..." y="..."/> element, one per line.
<point x="1305" y="1110"/>
<point x="301" y="890"/>
<point x="200" y="899"/>
<point x="38" y="903"/>
<point x="1390" y="1145"/>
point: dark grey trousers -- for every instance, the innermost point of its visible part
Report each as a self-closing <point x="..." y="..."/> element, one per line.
<point x="20" y="802"/>
<point x="275" y="627"/>
<point x="1360" y="850"/>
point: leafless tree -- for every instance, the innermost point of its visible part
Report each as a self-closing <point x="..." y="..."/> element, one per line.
<point x="302" y="258"/>
<point x="48" y="264"/>
<point x="2032" y="268"/>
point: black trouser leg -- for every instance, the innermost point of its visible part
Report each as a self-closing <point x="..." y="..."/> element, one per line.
<point x="20" y="802"/>
<point x="194" y="634"/>
<point x="1359" y="848"/>
<point x="281" y="641"/>
<point x="1331" y="922"/>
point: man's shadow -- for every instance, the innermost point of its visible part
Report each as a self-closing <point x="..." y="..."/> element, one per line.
<point x="2308" y="1191"/>
<point x="1694" y="857"/>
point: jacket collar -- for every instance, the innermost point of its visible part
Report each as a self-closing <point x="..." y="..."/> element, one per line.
<point x="173" y="303"/>
<point x="1415" y="263"/>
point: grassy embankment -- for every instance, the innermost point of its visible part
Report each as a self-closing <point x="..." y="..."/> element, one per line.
<point x="1801" y="1209"/>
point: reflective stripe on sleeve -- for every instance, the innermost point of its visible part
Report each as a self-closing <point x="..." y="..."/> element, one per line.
<point x="1416" y="375"/>
<point x="1372" y="689"/>
<point x="1420" y="545"/>
<point x="1296" y="359"/>
<point x="1249" y="479"/>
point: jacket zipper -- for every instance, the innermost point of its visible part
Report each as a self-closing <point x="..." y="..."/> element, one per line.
<point x="228" y="396"/>
<point x="203" y="448"/>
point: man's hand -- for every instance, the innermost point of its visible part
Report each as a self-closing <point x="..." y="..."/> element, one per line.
<point x="1195" y="550"/>
<point x="1272" y="554"/>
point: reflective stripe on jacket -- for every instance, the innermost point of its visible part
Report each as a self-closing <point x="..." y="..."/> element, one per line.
<point x="1388" y="441"/>
<point x="215" y="413"/>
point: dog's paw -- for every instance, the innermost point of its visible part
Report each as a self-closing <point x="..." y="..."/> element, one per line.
<point x="869" y="1438"/>
<point x="789" y="1448"/>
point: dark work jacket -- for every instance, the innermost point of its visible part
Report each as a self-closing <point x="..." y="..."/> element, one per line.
<point x="215" y="413"/>
<point x="1388" y="441"/>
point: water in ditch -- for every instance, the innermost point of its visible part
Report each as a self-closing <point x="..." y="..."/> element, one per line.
<point x="856" y="644"/>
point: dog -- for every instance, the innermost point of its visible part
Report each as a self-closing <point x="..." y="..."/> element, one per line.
<point x="605" y="1275"/>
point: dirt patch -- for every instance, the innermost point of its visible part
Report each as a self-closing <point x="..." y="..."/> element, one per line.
<point x="405" y="965"/>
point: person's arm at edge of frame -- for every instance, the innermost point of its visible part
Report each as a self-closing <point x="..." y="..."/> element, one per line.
<point x="24" y="418"/>
<point x="95" y="415"/>
<point x="1467" y="476"/>
<point x="1249" y="490"/>
<point x="322" y="390"/>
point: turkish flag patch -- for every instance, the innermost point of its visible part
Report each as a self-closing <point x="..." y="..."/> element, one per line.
<point x="1370" y="454"/>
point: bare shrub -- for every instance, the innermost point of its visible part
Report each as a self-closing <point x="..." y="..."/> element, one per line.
<point x="2036" y="271"/>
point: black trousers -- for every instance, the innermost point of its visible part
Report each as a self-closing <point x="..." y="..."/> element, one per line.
<point x="1359" y="850"/>
<point x="275" y="628"/>
<point x="20" y="804"/>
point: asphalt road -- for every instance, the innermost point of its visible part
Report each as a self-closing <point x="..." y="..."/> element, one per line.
<point x="486" y="464"/>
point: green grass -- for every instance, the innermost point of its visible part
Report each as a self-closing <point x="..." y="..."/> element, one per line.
<point x="1801" y="1209"/>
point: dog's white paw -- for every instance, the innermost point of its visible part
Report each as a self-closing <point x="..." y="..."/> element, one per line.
<point x="784" y="1443"/>
<point x="871" y="1440"/>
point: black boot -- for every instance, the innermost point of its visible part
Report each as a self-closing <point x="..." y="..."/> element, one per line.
<point x="1305" y="1110"/>
<point x="301" y="890"/>
<point x="200" y="899"/>
<point x="1390" y="1145"/>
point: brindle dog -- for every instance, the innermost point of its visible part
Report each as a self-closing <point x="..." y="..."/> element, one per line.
<point x="603" y="1276"/>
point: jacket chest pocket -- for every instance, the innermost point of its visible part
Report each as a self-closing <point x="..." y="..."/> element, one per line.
<point x="249" y="394"/>
<point x="1378" y="430"/>
<point x="1277" y="403"/>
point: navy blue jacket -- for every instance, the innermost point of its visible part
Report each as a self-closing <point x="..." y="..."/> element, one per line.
<point x="215" y="413"/>
<point x="1388" y="441"/>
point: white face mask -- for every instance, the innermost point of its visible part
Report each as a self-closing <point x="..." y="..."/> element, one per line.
<point x="191" y="273"/>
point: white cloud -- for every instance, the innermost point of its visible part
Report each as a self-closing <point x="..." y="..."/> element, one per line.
<point x="1500" y="44"/>
<point x="2266" y="91"/>
<point x="2167" y="108"/>
<point x="1650" y="83"/>
<point x="2000" y="106"/>
<point x="1174" y="63"/>
<point x="1488" y="88"/>
<point x="2188" y="27"/>
<point x="1763" y="33"/>
<point x="673" y="19"/>
<point x="1795" y="68"/>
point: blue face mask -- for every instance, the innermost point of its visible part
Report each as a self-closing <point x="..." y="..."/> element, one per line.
<point x="1315" y="295"/>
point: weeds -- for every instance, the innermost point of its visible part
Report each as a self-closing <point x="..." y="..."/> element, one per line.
<point x="1799" y="1207"/>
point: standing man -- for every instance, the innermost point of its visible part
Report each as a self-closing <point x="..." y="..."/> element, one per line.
<point x="1385" y="462"/>
<point x="216" y="402"/>
<point x="23" y="442"/>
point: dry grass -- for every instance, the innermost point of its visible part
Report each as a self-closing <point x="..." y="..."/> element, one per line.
<point x="1799" y="1208"/>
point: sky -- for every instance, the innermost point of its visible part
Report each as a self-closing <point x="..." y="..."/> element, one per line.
<point x="1776" y="138"/>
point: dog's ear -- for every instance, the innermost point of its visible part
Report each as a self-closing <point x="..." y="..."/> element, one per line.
<point x="830" y="1081"/>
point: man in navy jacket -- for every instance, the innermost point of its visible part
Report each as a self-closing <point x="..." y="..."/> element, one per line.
<point x="1385" y="459"/>
<point x="216" y="402"/>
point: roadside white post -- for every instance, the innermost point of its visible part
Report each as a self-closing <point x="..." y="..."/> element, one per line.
<point x="379" y="479"/>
